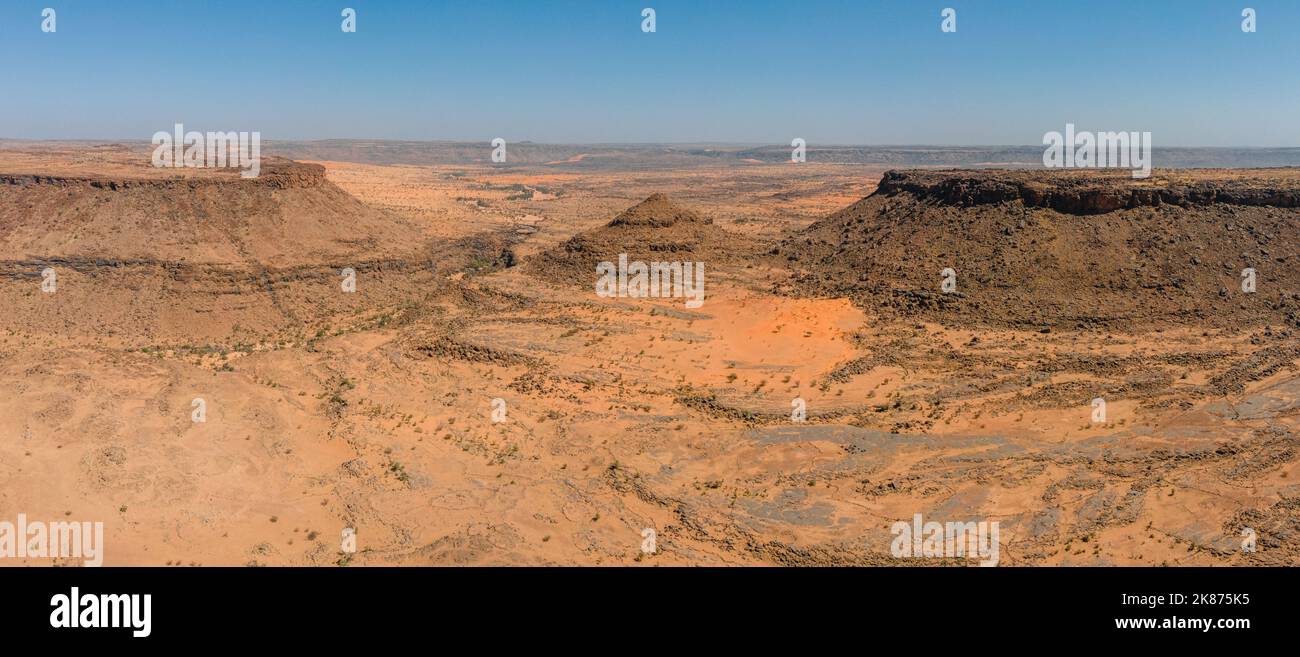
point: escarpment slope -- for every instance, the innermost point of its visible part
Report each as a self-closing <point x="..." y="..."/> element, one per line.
<point x="290" y="215"/>
<point x="1064" y="248"/>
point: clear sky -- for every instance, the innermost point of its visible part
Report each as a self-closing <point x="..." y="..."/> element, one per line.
<point x="758" y="71"/>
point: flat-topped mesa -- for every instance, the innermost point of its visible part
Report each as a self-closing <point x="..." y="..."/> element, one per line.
<point x="291" y="215"/>
<point x="1037" y="249"/>
<point x="1092" y="191"/>
<point x="277" y="173"/>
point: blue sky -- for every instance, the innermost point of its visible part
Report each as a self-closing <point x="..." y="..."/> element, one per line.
<point x="757" y="71"/>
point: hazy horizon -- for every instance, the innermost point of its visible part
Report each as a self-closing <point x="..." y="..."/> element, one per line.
<point x="537" y="142"/>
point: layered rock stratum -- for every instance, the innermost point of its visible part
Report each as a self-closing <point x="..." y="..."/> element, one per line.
<point x="1064" y="248"/>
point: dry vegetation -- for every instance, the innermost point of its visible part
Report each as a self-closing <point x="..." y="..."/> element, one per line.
<point x="372" y="410"/>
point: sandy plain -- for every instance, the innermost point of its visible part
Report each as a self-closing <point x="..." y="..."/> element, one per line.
<point x="373" y="410"/>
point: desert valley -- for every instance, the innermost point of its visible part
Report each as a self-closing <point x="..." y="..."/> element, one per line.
<point x="408" y="349"/>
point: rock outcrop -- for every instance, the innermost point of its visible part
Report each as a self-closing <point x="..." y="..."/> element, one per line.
<point x="1039" y="248"/>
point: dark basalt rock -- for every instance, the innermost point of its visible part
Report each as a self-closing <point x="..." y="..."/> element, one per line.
<point x="1082" y="191"/>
